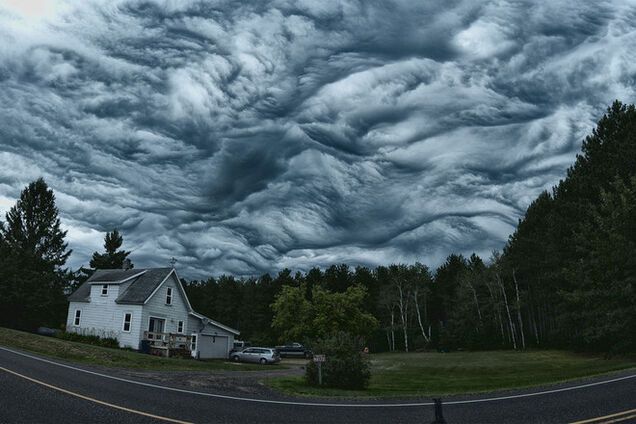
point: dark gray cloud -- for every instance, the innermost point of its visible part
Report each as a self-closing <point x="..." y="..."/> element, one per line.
<point x="244" y="137"/>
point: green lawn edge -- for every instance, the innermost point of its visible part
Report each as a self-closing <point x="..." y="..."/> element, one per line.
<point x="116" y="358"/>
<point x="548" y="368"/>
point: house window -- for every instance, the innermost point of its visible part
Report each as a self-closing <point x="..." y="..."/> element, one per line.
<point x="105" y="290"/>
<point x="180" y="327"/>
<point x="127" y="321"/>
<point x="169" y="296"/>
<point x="193" y="343"/>
<point x="78" y="314"/>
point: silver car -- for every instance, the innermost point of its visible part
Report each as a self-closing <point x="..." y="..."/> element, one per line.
<point x="262" y="355"/>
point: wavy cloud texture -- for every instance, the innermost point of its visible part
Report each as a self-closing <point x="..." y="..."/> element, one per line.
<point x="243" y="137"/>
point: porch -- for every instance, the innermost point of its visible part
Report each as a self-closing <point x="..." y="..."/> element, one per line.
<point x="166" y="344"/>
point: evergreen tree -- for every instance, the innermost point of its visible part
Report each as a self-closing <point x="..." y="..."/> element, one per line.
<point x="113" y="258"/>
<point x="33" y="253"/>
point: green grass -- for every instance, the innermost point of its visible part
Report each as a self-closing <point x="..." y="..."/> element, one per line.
<point x="427" y="374"/>
<point x="95" y="355"/>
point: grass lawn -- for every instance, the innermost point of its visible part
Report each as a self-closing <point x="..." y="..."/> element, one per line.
<point x="88" y="354"/>
<point x="427" y="374"/>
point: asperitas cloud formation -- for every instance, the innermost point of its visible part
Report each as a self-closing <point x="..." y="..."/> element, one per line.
<point x="243" y="137"/>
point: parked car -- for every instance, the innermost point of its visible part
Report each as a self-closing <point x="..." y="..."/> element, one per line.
<point x="294" y="350"/>
<point x="262" y="355"/>
<point x="239" y="345"/>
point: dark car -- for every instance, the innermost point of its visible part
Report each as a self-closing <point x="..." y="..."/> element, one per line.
<point x="294" y="350"/>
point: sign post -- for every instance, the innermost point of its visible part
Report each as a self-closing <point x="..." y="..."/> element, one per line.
<point x="319" y="359"/>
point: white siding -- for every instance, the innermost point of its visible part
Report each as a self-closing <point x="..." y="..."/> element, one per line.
<point x="194" y="324"/>
<point x="104" y="318"/>
<point x="156" y="307"/>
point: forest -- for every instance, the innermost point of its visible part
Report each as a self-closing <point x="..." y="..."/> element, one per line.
<point x="564" y="279"/>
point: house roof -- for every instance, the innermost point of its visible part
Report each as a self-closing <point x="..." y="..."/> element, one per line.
<point x="143" y="286"/>
<point x="113" y="276"/>
<point x="143" y="283"/>
<point x="215" y="323"/>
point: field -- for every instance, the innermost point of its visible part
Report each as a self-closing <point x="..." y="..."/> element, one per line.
<point x="427" y="374"/>
<point x="393" y="374"/>
<point x="87" y="354"/>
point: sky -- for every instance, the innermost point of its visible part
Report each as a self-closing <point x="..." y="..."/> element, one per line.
<point x="245" y="137"/>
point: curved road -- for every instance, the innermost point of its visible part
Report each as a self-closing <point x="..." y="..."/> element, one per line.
<point x="36" y="390"/>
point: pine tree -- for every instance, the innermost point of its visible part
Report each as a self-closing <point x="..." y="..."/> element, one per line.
<point x="113" y="258"/>
<point x="33" y="254"/>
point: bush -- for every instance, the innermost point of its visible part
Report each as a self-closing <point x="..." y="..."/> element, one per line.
<point x="89" y="339"/>
<point x="345" y="367"/>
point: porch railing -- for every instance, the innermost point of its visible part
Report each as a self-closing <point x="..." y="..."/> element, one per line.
<point x="168" y="340"/>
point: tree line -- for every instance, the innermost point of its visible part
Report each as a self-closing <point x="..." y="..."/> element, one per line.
<point x="565" y="278"/>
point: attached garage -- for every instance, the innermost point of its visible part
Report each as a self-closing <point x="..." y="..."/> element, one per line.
<point x="212" y="346"/>
<point x="210" y="338"/>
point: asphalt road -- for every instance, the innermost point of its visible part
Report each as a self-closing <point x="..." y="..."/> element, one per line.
<point x="38" y="390"/>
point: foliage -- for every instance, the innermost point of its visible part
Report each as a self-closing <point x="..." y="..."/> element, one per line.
<point x="298" y="317"/>
<point x="90" y="339"/>
<point x="32" y="253"/>
<point x="113" y="258"/>
<point x="346" y="367"/>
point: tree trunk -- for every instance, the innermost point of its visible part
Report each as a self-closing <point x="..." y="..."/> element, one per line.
<point x="476" y="301"/>
<point x="505" y="297"/>
<point x="519" y="318"/>
<point x="392" y="330"/>
<point x="419" y="316"/>
<point x="403" y="306"/>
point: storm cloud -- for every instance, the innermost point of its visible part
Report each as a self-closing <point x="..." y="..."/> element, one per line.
<point x="244" y="137"/>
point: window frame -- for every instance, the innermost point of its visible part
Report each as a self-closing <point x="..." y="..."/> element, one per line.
<point x="104" y="289"/>
<point x="193" y="343"/>
<point x="180" y="327"/>
<point x="77" y="319"/>
<point x="169" y="296"/>
<point x="129" y="322"/>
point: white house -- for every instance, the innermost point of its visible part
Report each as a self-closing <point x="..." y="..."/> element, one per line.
<point x="130" y="304"/>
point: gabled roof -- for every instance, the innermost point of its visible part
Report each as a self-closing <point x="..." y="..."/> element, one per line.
<point x="143" y="286"/>
<point x="143" y="283"/>
<point x="213" y="322"/>
<point x="114" y="276"/>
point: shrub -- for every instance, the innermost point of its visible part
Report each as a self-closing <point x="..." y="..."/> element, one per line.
<point x="90" y="339"/>
<point x="345" y="367"/>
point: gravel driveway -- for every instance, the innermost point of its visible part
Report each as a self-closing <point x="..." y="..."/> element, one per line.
<point x="228" y="382"/>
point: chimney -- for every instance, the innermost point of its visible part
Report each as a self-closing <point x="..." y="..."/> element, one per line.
<point x="126" y="264"/>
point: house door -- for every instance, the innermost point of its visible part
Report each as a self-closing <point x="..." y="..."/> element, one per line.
<point x="156" y="325"/>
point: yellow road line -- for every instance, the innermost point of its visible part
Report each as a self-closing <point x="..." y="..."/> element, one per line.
<point x="68" y="392"/>
<point x="619" y="416"/>
<point x="619" y="419"/>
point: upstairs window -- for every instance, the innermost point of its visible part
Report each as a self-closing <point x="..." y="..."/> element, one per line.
<point x="169" y="296"/>
<point x="104" y="289"/>
<point x="76" y="321"/>
<point x="180" y="327"/>
<point x="127" y="322"/>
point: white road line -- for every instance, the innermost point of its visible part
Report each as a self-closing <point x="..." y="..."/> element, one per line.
<point x="320" y="404"/>
<point x="100" y="402"/>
